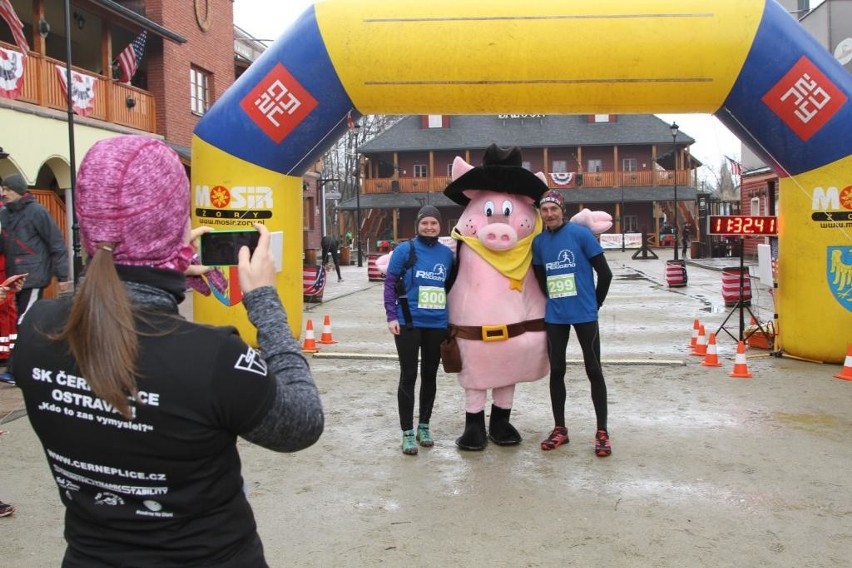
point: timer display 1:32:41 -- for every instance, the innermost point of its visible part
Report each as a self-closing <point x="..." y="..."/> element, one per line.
<point x="743" y="225"/>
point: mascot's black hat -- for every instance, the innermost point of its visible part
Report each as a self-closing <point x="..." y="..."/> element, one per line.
<point x="501" y="171"/>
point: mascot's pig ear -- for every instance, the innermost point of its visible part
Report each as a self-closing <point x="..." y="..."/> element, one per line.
<point x="460" y="167"/>
<point x="542" y="177"/>
<point x="596" y="221"/>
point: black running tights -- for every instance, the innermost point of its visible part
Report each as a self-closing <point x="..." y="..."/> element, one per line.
<point x="590" y="343"/>
<point x="425" y="342"/>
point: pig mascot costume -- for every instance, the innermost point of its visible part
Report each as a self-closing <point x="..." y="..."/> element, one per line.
<point x="496" y="307"/>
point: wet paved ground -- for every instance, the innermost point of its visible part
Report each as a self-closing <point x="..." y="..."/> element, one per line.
<point x="707" y="470"/>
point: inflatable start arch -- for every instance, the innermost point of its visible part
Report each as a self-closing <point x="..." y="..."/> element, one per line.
<point x="747" y="61"/>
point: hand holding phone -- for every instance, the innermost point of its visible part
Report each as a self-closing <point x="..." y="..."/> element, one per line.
<point x="221" y="248"/>
<point x="257" y="267"/>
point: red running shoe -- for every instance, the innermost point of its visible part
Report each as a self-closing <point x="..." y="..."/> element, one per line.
<point x="557" y="437"/>
<point x="602" y="446"/>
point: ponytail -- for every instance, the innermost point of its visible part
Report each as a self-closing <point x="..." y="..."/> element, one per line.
<point x="101" y="334"/>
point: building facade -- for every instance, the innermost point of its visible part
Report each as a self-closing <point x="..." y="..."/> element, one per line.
<point x="631" y="166"/>
<point x="180" y="74"/>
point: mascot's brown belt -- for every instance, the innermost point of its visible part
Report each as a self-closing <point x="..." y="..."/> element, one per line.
<point x="496" y="332"/>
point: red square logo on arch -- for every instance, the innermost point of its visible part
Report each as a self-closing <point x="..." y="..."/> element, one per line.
<point x="805" y="99"/>
<point x="278" y="103"/>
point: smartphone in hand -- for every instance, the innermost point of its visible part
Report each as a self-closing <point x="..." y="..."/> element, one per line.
<point x="222" y="248"/>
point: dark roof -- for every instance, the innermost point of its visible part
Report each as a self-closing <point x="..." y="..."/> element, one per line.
<point x="477" y="132"/>
<point x="667" y="162"/>
<point x="140" y="20"/>
<point x="573" y="196"/>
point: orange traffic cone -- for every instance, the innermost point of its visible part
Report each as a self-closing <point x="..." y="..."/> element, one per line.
<point x="700" y="343"/>
<point x="325" y="338"/>
<point x="712" y="358"/>
<point x="740" y="366"/>
<point x="694" y="339"/>
<point x="846" y="373"/>
<point x="310" y="343"/>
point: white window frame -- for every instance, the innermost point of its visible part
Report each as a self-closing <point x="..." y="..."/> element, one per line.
<point x="754" y="206"/>
<point x="199" y="90"/>
<point x="421" y="170"/>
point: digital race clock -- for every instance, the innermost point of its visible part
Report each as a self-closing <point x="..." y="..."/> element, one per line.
<point x="743" y="225"/>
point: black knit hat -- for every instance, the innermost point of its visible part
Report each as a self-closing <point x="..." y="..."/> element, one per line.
<point x="429" y="211"/>
<point x="16" y="183"/>
<point x="501" y="171"/>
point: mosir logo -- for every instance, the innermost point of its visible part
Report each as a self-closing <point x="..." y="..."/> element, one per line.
<point x="241" y="202"/>
<point x="831" y="208"/>
<point x="804" y="99"/>
<point x="278" y="104"/>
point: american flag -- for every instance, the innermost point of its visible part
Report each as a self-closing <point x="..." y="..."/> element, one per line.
<point x="8" y="13"/>
<point x="735" y="166"/>
<point x="128" y="60"/>
<point x="313" y="280"/>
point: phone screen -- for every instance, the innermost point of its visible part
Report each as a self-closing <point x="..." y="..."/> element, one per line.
<point x="221" y="248"/>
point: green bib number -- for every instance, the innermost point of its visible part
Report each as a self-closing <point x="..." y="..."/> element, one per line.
<point x="561" y="286"/>
<point x="431" y="298"/>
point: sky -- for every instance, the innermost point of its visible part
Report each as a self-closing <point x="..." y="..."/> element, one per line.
<point x="266" y="19"/>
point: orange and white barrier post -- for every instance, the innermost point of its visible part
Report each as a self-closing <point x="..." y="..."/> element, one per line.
<point x="712" y="358"/>
<point x="740" y="365"/>
<point x="310" y="343"/>
<point x="326" y="338"/>
<point x="846" y="373"/>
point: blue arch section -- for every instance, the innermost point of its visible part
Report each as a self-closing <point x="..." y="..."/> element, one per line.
<point x="301" y="53"/>
<point x="772" y="55"/>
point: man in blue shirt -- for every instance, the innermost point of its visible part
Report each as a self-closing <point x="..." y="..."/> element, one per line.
<point x="566" y="257"/>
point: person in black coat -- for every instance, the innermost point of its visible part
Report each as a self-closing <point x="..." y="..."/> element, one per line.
<point x="330" y="245"/>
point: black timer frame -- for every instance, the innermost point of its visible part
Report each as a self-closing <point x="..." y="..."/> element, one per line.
<point x="740" y="306"/>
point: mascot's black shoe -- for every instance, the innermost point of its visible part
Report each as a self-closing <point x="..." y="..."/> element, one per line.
<point x="500" y="431"/>
<point x="474" y="437"/>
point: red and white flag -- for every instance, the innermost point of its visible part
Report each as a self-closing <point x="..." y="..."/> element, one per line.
<point x="735" y="167"/>
<point x="11" y="73"/>
<point x="11" y="18"/>
<point x="130" y="57"/>
<point x="82" y="90"/>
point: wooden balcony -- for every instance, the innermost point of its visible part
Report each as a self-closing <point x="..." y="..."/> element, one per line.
<point x="42" y="87"/>
<point x="647" y="178"/>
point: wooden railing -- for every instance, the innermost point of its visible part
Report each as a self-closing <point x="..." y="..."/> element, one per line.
<point x="42" y="86"/>
<point x="590" y="180"/>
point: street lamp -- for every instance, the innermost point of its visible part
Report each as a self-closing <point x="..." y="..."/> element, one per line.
<point x="621" y="215"/>
<point x="321" y="187"/>
<point x="355" y="173"/>
<point x="674" y="128"/>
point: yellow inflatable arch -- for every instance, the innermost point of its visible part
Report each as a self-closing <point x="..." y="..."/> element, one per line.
<point x="747" y="61"/>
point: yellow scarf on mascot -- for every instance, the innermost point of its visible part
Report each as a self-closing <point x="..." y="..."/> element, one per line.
<point x="513" y="264"/>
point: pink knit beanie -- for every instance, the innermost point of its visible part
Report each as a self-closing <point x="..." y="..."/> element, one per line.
<point x="133" y="191"/>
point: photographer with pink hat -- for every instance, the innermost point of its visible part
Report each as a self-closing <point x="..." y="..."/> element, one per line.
<point x="139" y="410"/>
